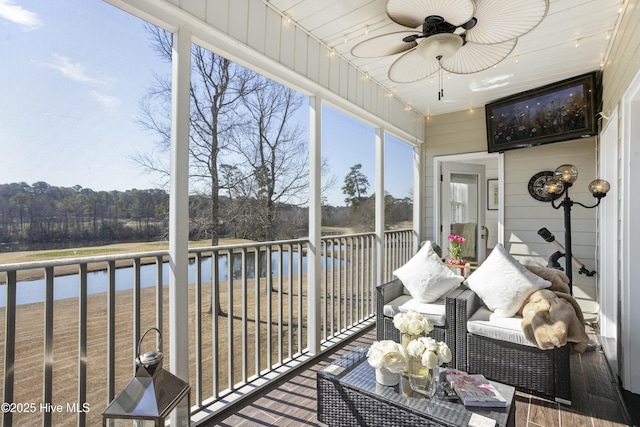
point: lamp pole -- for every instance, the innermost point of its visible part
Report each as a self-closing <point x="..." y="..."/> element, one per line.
<point x="564" y="177"/>
<point x="567" y="203"/>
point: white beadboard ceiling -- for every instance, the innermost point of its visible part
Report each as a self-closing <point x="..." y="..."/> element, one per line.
<point x="573" y="39"/>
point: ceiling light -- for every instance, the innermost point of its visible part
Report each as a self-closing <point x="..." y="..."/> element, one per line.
<point x="439" y="46"/>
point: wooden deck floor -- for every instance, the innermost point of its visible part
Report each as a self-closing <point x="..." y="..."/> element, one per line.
<point x="596" y="398"/>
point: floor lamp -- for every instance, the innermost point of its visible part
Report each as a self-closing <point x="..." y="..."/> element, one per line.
<point x="563" y="178"/>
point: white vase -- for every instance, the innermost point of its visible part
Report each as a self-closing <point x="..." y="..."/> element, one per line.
<point x="386" y="377"/>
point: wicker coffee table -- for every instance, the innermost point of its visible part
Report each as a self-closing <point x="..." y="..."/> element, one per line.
<point x="348" y="395"/>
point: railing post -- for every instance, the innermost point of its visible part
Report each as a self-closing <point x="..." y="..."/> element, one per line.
<point x="9" y="343"/>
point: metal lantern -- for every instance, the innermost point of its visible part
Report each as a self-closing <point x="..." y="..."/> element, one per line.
<point x="151" y="395"/>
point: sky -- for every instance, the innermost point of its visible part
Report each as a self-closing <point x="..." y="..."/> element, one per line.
<point x="72" y="75"/>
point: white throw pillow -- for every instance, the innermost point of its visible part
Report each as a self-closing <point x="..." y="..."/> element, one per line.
<point x="426" y="277"/>
<point x="503" y="283"/>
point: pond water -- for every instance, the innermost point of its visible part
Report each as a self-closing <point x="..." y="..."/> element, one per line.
<point x="67" y="286"/>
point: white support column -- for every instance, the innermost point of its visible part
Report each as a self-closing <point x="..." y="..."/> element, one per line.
<point x="179" y="206"/>
<point x="418" y="203"/>
<point x="380" y="246"/>
<point x="314" y="320"/>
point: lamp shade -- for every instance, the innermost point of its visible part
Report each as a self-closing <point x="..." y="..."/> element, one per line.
<point x="439" y="46"/>
<point x="599" y="188"/>
<point x="554" y="186"/>
<point x="566" y="173"/>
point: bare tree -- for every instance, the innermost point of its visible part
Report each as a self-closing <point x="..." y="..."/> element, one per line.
<point x="274" y="155"/>
<point x="217" y="86"/>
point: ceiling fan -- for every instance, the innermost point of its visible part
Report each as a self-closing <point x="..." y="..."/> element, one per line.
<point x="458" y="36"/>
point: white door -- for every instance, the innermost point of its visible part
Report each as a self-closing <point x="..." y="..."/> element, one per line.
<point x="608" y="254"/>
<point x="462" y="208"/>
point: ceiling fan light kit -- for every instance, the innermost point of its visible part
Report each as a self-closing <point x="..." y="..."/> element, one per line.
<point x="457" y="36"/>
<point x="442" y="46"/>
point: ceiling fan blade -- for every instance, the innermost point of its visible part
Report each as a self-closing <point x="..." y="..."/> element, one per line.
<point x="499" y="21"/>
<point x="412" y="13"/>
<point x="474" y="57"/>
<point x="384" y="45"/>
<point x="412" y="67"/>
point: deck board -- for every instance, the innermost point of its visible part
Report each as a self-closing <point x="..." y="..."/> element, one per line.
<point x="293" y="402"/>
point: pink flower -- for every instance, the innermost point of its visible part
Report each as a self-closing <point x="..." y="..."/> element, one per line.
<point x="454" y="247"/>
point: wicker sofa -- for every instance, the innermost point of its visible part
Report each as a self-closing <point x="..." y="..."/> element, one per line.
<point x="392" y="295"/>
<point x="513" y="361"/>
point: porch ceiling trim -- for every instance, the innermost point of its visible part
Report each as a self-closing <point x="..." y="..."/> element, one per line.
<point x="283" y="52"/>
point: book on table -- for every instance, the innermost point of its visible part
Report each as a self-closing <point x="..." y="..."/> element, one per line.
<point x="476" y="390"/>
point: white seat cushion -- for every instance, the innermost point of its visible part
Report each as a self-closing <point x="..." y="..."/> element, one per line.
<point x="392" y="308"/>
<point x="435" y="311"/>
<point x="488" y="324"/>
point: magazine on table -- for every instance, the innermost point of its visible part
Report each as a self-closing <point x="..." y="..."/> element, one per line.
<point x="475" y="390"/>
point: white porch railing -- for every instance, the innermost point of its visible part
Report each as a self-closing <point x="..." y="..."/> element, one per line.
<point x="69" y="337"/>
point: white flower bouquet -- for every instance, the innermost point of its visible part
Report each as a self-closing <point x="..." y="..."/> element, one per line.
<point x="388" y="357"/>
<point x="430" y="352"/>
<point x="387" y="354"/>
<point x="412" y="323"/>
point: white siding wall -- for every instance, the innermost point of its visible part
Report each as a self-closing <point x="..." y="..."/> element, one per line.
<point x="524" y="215"/>
<point x="624" y="59"/>
<point x="455" y="133"/>
<point x="465" y="132"/>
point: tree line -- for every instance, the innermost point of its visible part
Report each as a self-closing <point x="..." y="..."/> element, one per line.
<point x="45" y="216"/>
<point x="42" y="216"/>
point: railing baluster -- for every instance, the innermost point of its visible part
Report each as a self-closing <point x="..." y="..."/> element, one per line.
<point x="245" y="332"/>
<point x="300" y="303"/>
<point x="47" y="388"/>
<point x="215" y="323"/>
<point x="280" y="305"/>
<point x="198" y="325"/>
<point x="159" y="300"/>
<point x="341" y="280"/>
<point x="9" y="344"/>
<point x="230" y="347"/>
<point x="352" y="259"/>
<point x="82" y="344"/>
<point x="111" y="330"/>
<point x="335" y="269"/>
<point x="136" y="309"/>
<point x="290" y="301"/>
<point x="269" y="285"/>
